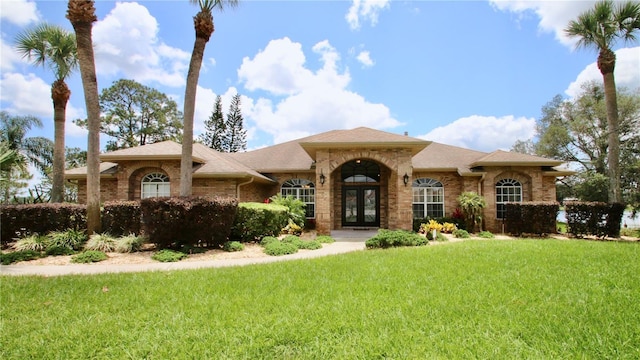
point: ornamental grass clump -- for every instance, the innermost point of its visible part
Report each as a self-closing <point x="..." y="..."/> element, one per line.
<point x="71" y="238"/>
<point x="33" y="242"/>
<point x="130" y="243"/>
<point x="101" y="242"/>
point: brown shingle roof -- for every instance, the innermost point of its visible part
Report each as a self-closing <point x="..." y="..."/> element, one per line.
<point x="164" y="150"/>
<point x="441" y="157"/>
<point x="506" y="158"/>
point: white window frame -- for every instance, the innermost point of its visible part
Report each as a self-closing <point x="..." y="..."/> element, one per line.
<point x="303" y="190"/>
<point x="429" y="194"/>
<point x="507" y="190"/>
<point x="155" y="185"/>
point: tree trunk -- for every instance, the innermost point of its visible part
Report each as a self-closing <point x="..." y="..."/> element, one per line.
<point x="81" y="14"/>
<point x="60" y="94"/>
<point x="606" y="64"/>
<point x="186" y="163"/>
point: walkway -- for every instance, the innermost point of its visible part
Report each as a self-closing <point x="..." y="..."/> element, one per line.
<point x="346" y="241"/>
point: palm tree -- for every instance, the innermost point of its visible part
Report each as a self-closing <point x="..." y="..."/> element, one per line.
<point x="21" y="150"/>
<point x="203" y="25"/>
<point x="82" y="15"/>
<point x="56" y="47"/>
<point x="599" y="28"/>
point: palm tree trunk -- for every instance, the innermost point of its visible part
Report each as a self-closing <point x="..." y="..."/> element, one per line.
<point x="186" y="163"/>
<point x="606" y="64"/>
<point x="60" y="94"/>
<point x="81" y="14"/>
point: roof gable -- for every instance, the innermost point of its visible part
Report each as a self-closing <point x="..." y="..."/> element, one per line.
<point x="508" y="158"/>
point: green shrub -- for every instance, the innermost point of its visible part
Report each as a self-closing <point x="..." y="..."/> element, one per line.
<point x="130" y="243"/>
<point x="297" y="209"/>
<point x="57" y="250"/>
<point x="167" y="255"/>
<point x="256" y="220"/>
<point x="392" y="238"/>
<point x="121" y="217"/>
<point x="439" y="236"/>
<point x="33" y="242"/>
<point x="461" y="234"/>
<point x="310" y="245"/>
<point x="232" y="246"/>
<point x="268" y="240"/>
<point x="19" y="221"/>
<point x="16" y="256"/>
<point x="325" y="239"/>
<point x="292" y="239"/>
<point x="101" y="242"/>
<point x="90" y="256"/>
<point x="72" y="239"/>
<point x="486" y="235"/>
<point x="278" y="248"/>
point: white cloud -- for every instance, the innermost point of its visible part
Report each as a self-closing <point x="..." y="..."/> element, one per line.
<point x="8" y="56"/>
<point x="627" y="72"/>
<point x="315" y="102"/>
<point x="364" y="57"/>
<point x="484" y="133"/>
<point x="27" y="94"/>
<point x="19" y="12"/>
<point x="365" y="10"/>
<point x="126" y="43"/>
<point x="554" y="15"/>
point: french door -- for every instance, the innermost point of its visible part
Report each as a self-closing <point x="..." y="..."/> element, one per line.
<point x="361" y="206"/>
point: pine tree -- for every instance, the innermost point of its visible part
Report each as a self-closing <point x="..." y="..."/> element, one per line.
<point x="215" y="128"/>
<point x="235" y="133"/>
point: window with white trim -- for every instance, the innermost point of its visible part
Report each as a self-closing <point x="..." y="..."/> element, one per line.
<point x="155" y="185"/>
<point x="428" y="198"/>
<point x="303" y="190"/>
<point x="507" y="190"/>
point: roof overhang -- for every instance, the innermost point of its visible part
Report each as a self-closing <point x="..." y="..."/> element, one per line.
<point x="415" y="146"/>
<point x="116" y="158"/>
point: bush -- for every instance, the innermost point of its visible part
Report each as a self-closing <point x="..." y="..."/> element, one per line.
<point x="268" y="240"/>
<point x="594" y="218"/>
<point x="486" y="235"/>
<point x="325" y="239"/>
<point x="256" y="220"/>
<point x="121" y="217"/>
<point x="297" y="209"/>
<point x="449" y="228"/>
<point x="33" y="242"/>
<point x="130" y="243"/>
<point x="72" y="239"/>
<point x="90" y="256"/>
<point x="292" y="228"/>
<point x="18" y="220"/>
<point x="292" y="239"/>
<point x="537" y="218"/>
<point x="101" y="242"/>
<point x="232" y="246"/>
<point x="430" y="226"/>
<point x="179" y="221"/>
<point x="310" y="245"/>
<point x="439" y="237"/>
<point x="391" y="238"/>
<point x="59" y="251"/>
<point x="461" y="234"/>
<point x="278" y="248"/>
<point x="17" y="256"/>
<point x="167" y="255"/>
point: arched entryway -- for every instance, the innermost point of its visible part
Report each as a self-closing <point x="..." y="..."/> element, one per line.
<point x="360" y="198"/>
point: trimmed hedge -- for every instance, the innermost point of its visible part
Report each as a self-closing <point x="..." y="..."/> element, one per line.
<point x="19" y="221"/>
<point x="257" y="220"/>
<point x="594" y="218"/>
<point x="121" y="218"/>
<point x="537" y="218"/>
<point x="188" y="221"/>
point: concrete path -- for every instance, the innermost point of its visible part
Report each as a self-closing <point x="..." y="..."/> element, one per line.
<point x="346" y="241"/>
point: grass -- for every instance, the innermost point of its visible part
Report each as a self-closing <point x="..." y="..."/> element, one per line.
<point x="475" y="299"/>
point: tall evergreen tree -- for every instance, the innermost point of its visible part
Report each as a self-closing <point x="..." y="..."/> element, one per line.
<point x="215" y="128"/>
<point x="236" y="134"/>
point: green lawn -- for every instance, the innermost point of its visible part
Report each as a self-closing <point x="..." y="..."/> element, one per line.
<point x="494" y="299"/>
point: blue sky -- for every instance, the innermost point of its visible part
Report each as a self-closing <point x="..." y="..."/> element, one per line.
<point x="467" y="73"/>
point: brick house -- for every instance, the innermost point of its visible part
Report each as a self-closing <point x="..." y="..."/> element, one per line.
<point x="348" y="178"/>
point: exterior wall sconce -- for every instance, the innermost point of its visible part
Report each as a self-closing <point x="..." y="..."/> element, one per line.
<point x="322" y="178"/>
<point x="405" y="178"/>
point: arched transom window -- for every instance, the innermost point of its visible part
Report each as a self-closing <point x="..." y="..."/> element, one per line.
<point x="507" y="190"/>
<point x="303" y="190"/>
<point x="428" y="198"/>
<point x="360" y="171"/>
<point x="155" y="185"/>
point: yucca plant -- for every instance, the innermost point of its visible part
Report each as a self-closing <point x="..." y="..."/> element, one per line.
<point x="101" y="242"/>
